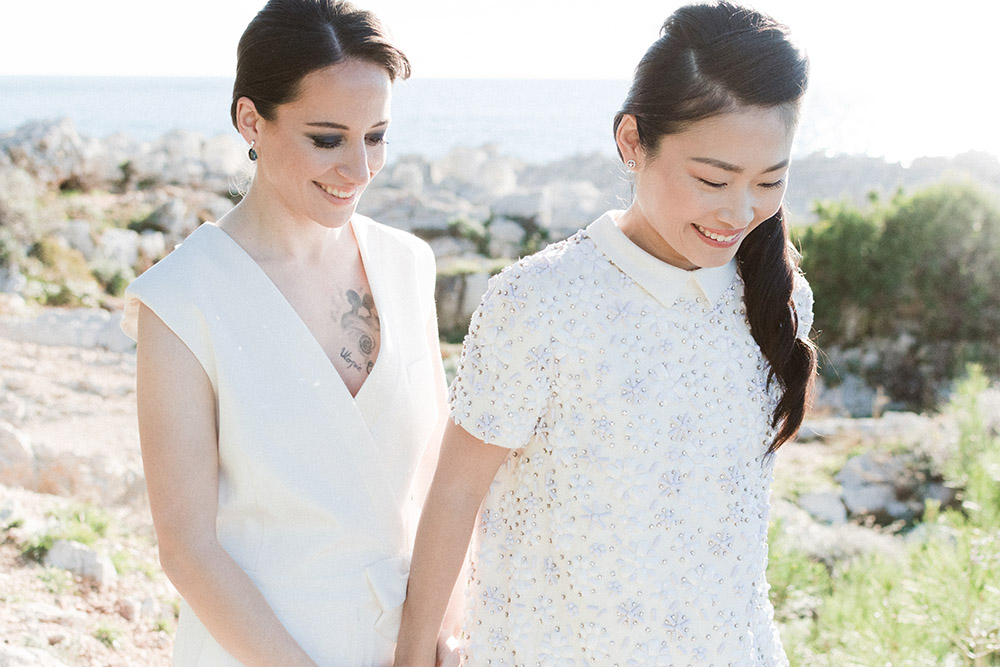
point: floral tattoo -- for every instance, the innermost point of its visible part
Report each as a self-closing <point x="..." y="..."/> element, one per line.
<point x="362" y="321"/>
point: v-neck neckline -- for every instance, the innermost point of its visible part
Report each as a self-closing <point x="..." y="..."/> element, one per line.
<point x="386" y="342"/>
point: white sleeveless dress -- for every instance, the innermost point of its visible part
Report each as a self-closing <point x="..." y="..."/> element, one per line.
<point x="314" y="485"/>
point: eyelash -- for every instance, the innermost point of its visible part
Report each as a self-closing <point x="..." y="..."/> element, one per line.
<point x="719" y="186"/>
<point x="321" y="141"/>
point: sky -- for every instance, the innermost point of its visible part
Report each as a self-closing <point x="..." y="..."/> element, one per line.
<point x="932" y="62"/>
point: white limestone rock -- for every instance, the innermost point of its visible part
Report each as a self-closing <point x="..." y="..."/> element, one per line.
<point x="574" y="205"/>
<point x="505" y="238"/>
<point x="82" y="561"/>
<point x="77" y="234"/>
<point x="449" y="246"/>
<point x="533" y="206"/>
<point x="119" y="247"/>
<point x="825" y="506"/>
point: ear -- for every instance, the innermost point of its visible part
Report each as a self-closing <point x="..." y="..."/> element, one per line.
<point x="627" y="138"/>
<point x="247" y="119"/>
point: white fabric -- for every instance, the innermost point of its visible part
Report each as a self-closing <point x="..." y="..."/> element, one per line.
<point x="313" y="484"/>
<point x="629" y="524"/>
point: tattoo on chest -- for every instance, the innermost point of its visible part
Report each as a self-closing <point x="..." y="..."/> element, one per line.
<point x="362" y="324"/>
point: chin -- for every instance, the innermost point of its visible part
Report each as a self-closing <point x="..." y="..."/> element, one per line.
<point x="714" y="261"/>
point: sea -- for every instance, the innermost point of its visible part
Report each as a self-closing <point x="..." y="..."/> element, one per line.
<point x="537" y="121"/>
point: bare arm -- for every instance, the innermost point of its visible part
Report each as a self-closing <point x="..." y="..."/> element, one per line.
<point x="177" y="430"/>
<point x="464" y="472"/>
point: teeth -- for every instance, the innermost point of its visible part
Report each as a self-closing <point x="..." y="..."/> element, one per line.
<point x="340" y="194"/>
<point x="717" y="237"/>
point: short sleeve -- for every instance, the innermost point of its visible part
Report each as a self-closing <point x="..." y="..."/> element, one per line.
<point x="172" y="289"/>
<point x="802" y="298"/>
<point x="503" y="382"/>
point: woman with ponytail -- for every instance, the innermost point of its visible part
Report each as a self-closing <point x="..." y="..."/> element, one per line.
<point x="622" y="393"/>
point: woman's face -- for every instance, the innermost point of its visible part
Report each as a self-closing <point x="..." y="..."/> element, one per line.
<point x="709" y="186"/>
<point x="322" y="149"/>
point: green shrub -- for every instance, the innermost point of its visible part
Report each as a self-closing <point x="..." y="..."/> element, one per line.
<point x="923" y="269"/>
<point x="108" y="635"/>
<point x="79" y="523"/>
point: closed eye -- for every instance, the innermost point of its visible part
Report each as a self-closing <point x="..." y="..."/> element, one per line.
<point x="773" y="186"/>
<point x="712" y="184"/>
<point x="376" y="139"/>
<point x="326" y="140"/>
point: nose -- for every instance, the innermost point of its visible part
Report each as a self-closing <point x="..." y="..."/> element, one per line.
<point x="354" y="166"/>
<point x="739" y="210"/>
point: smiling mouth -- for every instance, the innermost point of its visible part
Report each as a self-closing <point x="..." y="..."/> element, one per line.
<point x="725" y="239"/>
<point x="333" y="192"/>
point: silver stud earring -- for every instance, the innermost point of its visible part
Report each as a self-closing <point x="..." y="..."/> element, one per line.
<point x="630" y="164"/>
<point x="252" y="154"/>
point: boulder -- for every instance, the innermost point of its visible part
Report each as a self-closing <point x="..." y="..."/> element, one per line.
<point x="449" y="246"/>
<point x="82" y="561"/>
<point x="51" y="151"/>
<point x="458" y="294"/>
<point x="831" y="544"/>
<point x="576" y="204"/>
<point x="118" y="247"/>
<point x="478" y="174"/>
<point x="891" y="487"/>
<point x="532" y="207"/>
<point x="225" y="159"/>
<point x="78" y="235"/>
<point x="425" y="214"/>
<point x="408" y="175"/>
<point x="825" y="506"/>
<point x="506" y="238"/>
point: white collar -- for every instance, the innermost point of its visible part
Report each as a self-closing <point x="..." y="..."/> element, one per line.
<point x="665" y="282"/>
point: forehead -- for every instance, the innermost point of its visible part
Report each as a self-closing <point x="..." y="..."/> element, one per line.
<point x="753" y="138"/>
<point x="353" y="88"/>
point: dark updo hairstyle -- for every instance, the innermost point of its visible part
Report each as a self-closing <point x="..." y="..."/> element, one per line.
<point x="711" y="59"/>
<point x="289" y="39"/>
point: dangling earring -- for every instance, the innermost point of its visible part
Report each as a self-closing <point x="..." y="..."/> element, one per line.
<point x="630" y="164"/>
<point x="252" y="154"/>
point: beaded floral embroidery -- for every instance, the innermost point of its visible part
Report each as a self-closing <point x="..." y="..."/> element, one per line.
<point x="629" y="525"/>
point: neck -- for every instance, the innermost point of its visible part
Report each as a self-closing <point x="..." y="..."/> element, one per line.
<point x="638" y="230"/>
<point x="266" y="231"/>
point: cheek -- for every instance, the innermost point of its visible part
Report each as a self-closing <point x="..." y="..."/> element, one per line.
<point x="770" y="203"/>
<point x="376" y="158"/>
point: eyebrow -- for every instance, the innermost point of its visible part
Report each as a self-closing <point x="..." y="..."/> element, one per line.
<point x="712" y="162"/>
<point x="338" y="126"/>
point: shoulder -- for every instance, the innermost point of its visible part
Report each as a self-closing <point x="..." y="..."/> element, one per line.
<point x="549" y="267"/>
<point x="538" y="284"/>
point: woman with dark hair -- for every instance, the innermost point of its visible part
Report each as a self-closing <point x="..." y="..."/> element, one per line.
<point x="621" y="394"/>
<point x="289" y="374"/>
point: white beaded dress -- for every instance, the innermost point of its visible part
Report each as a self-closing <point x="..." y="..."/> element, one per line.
<point x="628" y="526"/>
<point x="314" y="484"/>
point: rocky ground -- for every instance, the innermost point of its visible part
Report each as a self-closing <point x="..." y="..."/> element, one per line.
<point x="74" y="409"/>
